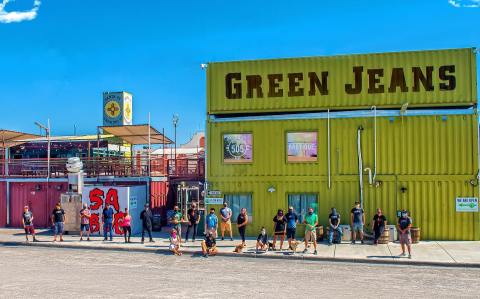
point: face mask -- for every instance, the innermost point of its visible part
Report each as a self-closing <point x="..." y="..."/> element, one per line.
<point x="310" y="212"/>
<point x="404" y="215"/>
<point x="211" y="213"/>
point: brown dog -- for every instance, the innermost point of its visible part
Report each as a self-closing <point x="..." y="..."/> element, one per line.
<point x="238" y="248"/>
<point x="294" y="246"/>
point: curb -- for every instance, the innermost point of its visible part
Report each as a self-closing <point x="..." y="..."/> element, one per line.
<point x="298" y="257"/>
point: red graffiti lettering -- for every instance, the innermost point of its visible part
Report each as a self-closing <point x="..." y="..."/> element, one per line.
<point x="112" y="199"/>
<point x="96" y="199"/>
<point x="94" y="223"/>
<point x="117" y="223"/>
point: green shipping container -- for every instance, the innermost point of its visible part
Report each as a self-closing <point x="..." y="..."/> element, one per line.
<point x="421" y="160"/>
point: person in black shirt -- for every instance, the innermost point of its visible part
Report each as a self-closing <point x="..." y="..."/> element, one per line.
<point x="403" y="226"/>
<point x="58" y="221"/>
<point x="147" y="220"/>
<point x="379" y="223"/>
<point x="279" y="228"/>
<point x="242" y="221"/>
<point x="262" y="240"/>
<point x="209" y="245"/>
<point x="193" y="220"/>
<point x="334" y="222"/>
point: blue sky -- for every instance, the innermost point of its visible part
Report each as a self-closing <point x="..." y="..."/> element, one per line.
<point x="57" y="62"/>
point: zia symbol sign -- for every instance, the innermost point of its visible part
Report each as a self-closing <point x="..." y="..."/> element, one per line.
<point x="466" y="204"/>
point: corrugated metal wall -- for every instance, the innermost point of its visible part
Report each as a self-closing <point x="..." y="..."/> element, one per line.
<point x="340" y="72"/>
<point x="3" y="204"/>
<point x="432" y="157"/>
<point x="158" y="194"/>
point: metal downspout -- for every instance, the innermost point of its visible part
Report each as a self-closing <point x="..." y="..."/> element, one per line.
<point x="328" y="151"/>
<point x="374" y="144"/>
<point x="360" y="163"/>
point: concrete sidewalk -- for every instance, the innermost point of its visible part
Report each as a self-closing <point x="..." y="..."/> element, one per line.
<point x="427" y="253"/>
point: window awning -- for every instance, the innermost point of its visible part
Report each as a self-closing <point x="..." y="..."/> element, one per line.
<point x="137" y="134"/>
<point x="10" y="138"/>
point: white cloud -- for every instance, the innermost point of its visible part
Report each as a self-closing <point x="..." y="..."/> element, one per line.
<point x="18" y="16"/>
<point x="465" y="3"/>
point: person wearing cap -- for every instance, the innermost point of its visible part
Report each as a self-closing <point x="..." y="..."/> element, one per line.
<point x="209" y="245"/>
<point x="85" y="222"/>
<point x="311" y="222"/>
<point x="58" y="222"/>
<point x="27" y="221"/>
<point x="193" y="218"/>
<point x="292" y="220"/>
<point x="108" y="214"/>
<point x="334" y="223"/>
<point x="147" y="219"/>
<point x="404" y="224"/>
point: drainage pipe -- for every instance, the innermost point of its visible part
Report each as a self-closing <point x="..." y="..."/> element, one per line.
<point x="374" y="108"/>
<point x="328" y="150"/>
<point x="360" y="163"/>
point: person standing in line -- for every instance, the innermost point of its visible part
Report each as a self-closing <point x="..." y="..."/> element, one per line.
<point x="292" y="219"/>
<point x="379" y="223"/>
<point x="85" y="222"/>
<point x="174" y="242"/>
<point x="357" y="221"/>
<point x="242" y="221"/>
<point x="27" y="221"/>
<point x="404" y="224"/>
<point x="226" y="224"/>
<point x="127" y="226"/>
<point x="58" y="221"/>
<point x="176" y="221"/>
<point x="108" y="221"/>
<point x="209" y="245"/>
<point x="147" y="220"/>
<point x="193" y="218"/>
<point x="212" y="223"/>
<point x="334" y="222"/>
<point x="279" y="228"/>
<point x="311" y="222"/>
<point x="262" y="240"/>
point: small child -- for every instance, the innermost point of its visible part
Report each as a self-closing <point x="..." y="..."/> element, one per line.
<point x="174" y="243"/>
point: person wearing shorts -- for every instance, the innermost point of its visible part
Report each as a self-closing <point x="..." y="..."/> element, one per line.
<point x="311" y="222"/>
<point x="226" y="223"/>
<point x="279" y="227"/>
<point x="58" y="221"/>
<point x="292" y="219"/>
<point x="357" y="220"/>
<point x="404" y="224"/>
<point x="27" y="221"/>
<point x="212" y="223"/>
<point x="85" y="222"/>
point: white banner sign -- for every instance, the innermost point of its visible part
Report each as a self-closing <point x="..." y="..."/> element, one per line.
<point x="466" y="204"/>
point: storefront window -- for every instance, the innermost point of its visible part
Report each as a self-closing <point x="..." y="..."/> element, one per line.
<point x="238" y="201"/>
<point x="301" y="203"/>
<point x="302" y="147"/>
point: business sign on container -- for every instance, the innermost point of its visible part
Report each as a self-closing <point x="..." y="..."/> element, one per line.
<point x="466" y="204"/>
<point x="421" y="78"/>
<point x="214" y="197"/>
<point x="237" y="148"/>
<point x="302" y="146"/>
<point x="117" y="108"/>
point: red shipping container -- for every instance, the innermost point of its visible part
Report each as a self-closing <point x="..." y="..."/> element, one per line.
<point x="3" y="204"/>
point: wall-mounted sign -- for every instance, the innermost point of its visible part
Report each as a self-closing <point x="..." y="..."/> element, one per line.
<point x="466" y="204"/>
<point x="237" y="148"/>
<point x="302" y="146"/>
<point x="214" y="197"/>
<point x="117" y="108"/>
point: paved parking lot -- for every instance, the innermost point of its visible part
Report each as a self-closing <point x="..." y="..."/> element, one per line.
<point x="62" y="273"/>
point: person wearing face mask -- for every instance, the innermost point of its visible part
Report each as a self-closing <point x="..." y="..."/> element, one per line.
<point x="147" y="220"/>
<point x="174" y="242"/>
<point x="242" y="221"/>
<point x="176" y="221"/>
<point x="262" y="240"/>
<point x="279" y="227"/>
<point x="334" y="222"/>
<point x="211" y="222"/>
<point x="311" y="222"/>
<point x="404" y="224"/>
<point x="378" y="225"/>
<point x="292" y="220"/>
<point x="209" y="245"/>
<point x="193" y="220"/>
<point x="357" y="221"/>
<point x="226" y="224"/>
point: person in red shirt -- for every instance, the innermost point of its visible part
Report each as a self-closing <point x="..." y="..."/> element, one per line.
<point x="85" y="222"/>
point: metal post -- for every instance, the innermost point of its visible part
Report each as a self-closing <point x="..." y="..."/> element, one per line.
<point x="149" y="143"/>
<point x="48" y="151"/>
<point x="328" y="150"/>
